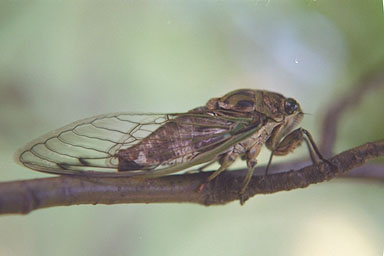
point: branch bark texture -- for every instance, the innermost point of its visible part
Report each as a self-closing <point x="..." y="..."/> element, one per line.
<point x="22" y="197"/>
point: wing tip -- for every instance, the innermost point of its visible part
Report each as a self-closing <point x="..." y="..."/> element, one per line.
<point x="18" y="155"/>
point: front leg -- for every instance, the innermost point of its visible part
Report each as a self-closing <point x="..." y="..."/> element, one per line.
<point x="291" y="142"/>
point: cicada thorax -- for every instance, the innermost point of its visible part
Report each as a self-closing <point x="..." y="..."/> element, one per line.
<point x="267" y="103"/>
<point x="177" y="141"/>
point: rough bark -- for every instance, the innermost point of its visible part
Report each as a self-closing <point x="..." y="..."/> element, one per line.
<point x="24" y="196"/>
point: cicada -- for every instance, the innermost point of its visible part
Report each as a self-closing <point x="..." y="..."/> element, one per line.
<point x="123" y="144"/>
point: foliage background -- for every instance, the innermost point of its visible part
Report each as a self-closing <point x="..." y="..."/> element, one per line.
<point x="61" y="61"/>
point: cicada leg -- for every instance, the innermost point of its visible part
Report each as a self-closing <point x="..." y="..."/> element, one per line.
<point x="311" y="152"/>
<point x="201" y="168"/>
<point x="251" y="164"/>
<point x="250" y="157"/>
<point x="292" y="141"/>
<point x="225" y="162"/>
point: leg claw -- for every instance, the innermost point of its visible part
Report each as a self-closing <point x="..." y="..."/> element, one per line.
<point x="243" y="198"/>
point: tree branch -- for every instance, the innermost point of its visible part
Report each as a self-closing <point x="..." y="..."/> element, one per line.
<point x="25" y="196"/>
<point x="369" y="82"/>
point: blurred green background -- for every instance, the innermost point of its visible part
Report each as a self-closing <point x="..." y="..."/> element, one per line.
<point x="61" y="61"/>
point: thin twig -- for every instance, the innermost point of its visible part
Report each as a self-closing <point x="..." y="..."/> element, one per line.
<point x="369" y="82"/>
<point x="25" y="196"/>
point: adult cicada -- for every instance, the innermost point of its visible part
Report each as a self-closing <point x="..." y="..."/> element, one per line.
<point x="152" y="145"/>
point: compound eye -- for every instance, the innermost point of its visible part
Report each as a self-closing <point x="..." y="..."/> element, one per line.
<point x="291" y="106"/>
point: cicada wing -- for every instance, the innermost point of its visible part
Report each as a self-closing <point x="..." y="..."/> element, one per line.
<point x="89" y="144"/>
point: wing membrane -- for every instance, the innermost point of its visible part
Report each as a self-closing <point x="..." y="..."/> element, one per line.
<point x="91" y="144"/>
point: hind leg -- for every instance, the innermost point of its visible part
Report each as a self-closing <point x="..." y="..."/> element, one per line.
<point x="225" y="161"/>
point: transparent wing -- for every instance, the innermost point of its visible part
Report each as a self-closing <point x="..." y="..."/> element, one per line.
<point x="91" y="144"/>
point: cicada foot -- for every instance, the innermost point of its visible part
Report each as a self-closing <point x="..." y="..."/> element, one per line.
<point x="332" y="165"/>
<point x="251" y="163"/>
<point x="211" y="177"/>
<point x="243" y="198"/>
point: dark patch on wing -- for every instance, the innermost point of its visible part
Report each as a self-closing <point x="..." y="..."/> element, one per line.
<point x="128" y="165"/>
<point x="181" y="138"/>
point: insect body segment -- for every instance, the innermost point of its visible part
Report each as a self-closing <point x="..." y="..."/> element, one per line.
<point x="152" y="145"/>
